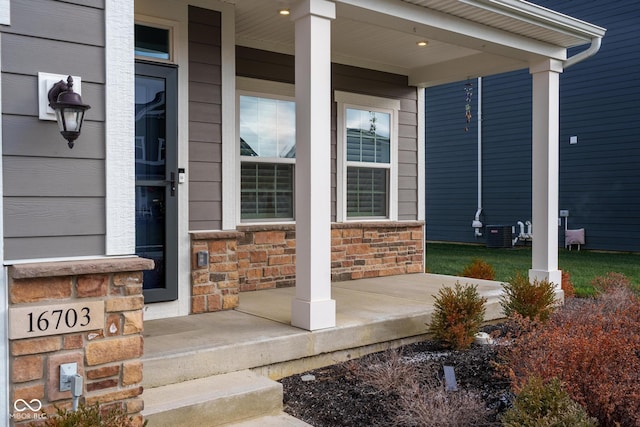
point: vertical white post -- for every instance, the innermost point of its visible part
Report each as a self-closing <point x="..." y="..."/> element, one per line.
<point x="313" y="307"/>
<point x="545" y="167"/>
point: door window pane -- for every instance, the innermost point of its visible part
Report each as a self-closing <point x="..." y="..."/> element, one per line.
<point x="152" y="42"/>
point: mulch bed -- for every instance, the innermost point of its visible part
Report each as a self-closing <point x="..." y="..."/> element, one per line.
<point x="339" y="395"/>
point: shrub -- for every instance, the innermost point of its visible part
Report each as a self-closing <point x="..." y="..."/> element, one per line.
<point x="420" y="399"/>
<point x="532" y="300"/>
<point x="593" y="349"/>
<point x="611" y="280"/>
<point x="567" y="285"/>
<point x="541" y="404"/>
<point x="479" y="269"/>
<point x="459" y="312"/>
<point x="92" y="416"/>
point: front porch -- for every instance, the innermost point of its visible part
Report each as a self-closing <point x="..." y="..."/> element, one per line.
<point x="371" y="315"/>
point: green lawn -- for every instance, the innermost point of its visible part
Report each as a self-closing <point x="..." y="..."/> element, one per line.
<point x="583" y="266"/>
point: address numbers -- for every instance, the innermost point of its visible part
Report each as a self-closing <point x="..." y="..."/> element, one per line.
<point x="43" y="320"/>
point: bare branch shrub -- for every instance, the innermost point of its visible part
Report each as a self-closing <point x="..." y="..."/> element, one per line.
<point x="593" y="350"/>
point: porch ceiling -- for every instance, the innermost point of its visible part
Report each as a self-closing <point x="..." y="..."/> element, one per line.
<point x="467" y="38"/>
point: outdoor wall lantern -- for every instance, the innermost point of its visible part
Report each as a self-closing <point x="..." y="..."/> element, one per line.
<point x="69" y="109"/>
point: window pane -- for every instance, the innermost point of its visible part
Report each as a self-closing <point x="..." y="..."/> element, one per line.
<point x="267" y="127"/>
<point x="151" y="42"/>
<point x="368" y="136"/>
<point x="367" y="192"/>
<point x="266" y="191"/>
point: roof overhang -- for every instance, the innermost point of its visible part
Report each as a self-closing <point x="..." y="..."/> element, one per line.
<point x="467" y="38"/>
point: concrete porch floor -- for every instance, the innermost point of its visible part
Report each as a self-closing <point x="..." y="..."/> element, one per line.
<point x="372" y="315"/>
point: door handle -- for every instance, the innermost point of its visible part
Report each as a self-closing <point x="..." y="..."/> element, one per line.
<point x="172" y="183"/>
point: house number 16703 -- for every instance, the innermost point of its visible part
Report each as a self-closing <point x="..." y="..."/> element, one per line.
<point x="55" y="319"/>
<point x="70" y="317"/>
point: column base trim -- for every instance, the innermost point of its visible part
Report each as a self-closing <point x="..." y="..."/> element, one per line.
<point x="313" y="315"/>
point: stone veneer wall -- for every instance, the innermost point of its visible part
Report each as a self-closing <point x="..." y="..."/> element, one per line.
<point x="263" y="257"/>
<point x="108" y="358"/>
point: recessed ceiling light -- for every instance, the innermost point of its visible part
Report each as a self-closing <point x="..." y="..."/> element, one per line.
<point x="284" y="12"/>
<point x="422" y="43"/>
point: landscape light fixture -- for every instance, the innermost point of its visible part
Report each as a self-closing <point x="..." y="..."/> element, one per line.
<point x="69" y="109"/>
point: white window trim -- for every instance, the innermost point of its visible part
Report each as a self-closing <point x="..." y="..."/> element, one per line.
<point x="268" y="89"/>
<point x="346" y="100"/>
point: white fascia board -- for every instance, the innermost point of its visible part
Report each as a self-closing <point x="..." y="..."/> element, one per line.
<point x="119" y="127"/>
<point x="541" y="16"/>
<point x="447" y="28"/>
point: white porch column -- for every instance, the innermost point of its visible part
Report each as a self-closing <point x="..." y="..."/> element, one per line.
<point x="313" y="307"/>
<point x="545" y="170"/>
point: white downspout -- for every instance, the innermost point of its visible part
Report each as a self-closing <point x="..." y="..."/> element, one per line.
<point x="596" y="42"/>
<point x="477" y="224"/>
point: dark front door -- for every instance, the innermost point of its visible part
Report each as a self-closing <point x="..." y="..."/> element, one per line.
<point x="156" y="177"/>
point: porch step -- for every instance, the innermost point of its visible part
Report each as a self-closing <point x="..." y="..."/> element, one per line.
<point x="213" y="401"/>
<point x="281" y="420"/>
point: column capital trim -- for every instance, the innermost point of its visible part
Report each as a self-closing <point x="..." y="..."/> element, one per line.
<point x="320" y="8"/>
<point x="546" y="65"/>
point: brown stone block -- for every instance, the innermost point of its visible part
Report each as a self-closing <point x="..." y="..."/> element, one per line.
<point x="352" y="232"/>
<point x="248" y="287"/>
<point x="101" y="385"/>
<point x="74" y="341"/>
<point x="133" y="290"/>
<point x="198" y="304"/>
<point x="27" y="368"/>
<point x="203" y="289"/>
<point x="223" y="267"/>
<point x="133" y="322"/>
<point x="28" y="392"/>
<point x="415" y="268"/>
<point x="288" y="270"/>
<point x="266" y="285"/>
<point x="134" y="406"/>
<point x="253" y="273"/>
<point x="280" y="260"/>
<point x="131" y="373"/>
<point x="269" y="237"/>
<point x="230" y="301"/>
<point x="258" y="256"/>
<point x="128" y="278"/>
<point x="229" y="284"/>
<point x="121" y="394"/>
<point x="214" y="302"/>
<point x="40" y="289"/>
<point x="358" y="249"/>
<point x="53" y="373"/>
<point x="199" y="277"/>
<point x="124" y="304"/>
<point x="103" y="372"/>
<point x="35" y="345"/>
<point x="92" y="285"/>
<point x="218" y="247"/>
<point x="113" y="325"/>
<point x="112" y="350"/>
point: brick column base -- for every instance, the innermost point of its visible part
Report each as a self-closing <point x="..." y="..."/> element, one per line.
<point x="107" y="358"/>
